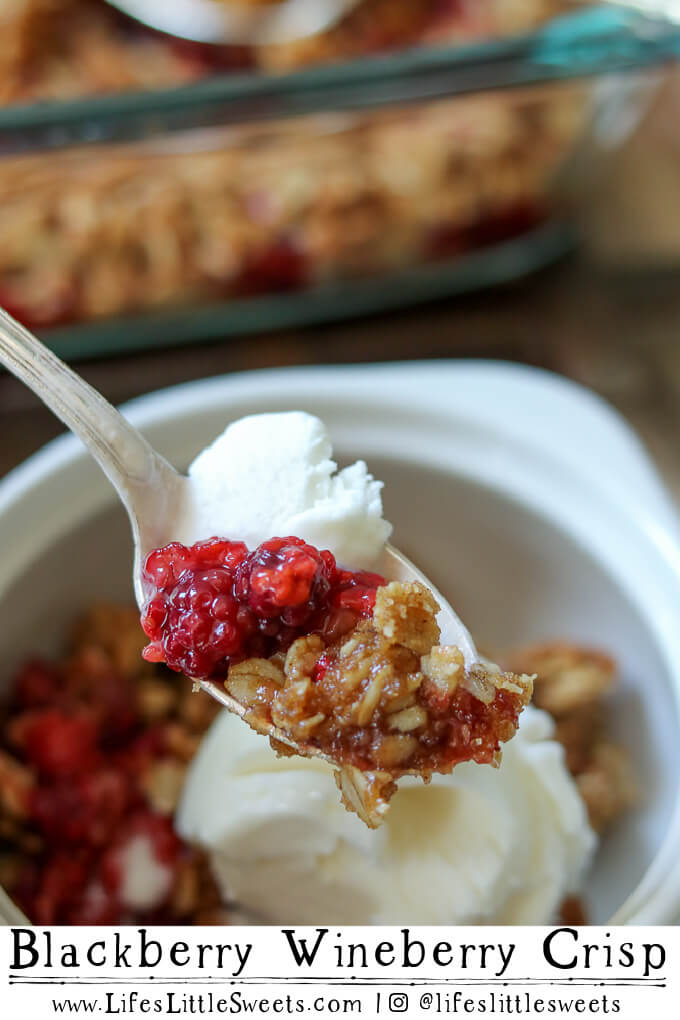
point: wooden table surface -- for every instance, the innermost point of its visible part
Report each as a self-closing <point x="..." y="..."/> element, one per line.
<point x="608" y="317"/>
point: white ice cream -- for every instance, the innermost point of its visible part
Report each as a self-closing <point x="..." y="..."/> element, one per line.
<point x="481" y="845"/>
<point x="272" y="475"/>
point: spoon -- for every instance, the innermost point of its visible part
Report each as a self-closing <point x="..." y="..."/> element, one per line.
<point x="150" y="488"/>
<point x="239" y="23"/>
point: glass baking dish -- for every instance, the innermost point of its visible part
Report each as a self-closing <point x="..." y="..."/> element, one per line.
<point x="248" y="200"/>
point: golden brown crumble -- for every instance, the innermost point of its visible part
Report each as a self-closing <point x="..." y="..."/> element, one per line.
<point x="95" y="233"/>
<point x="102" y="231"/>
<point x="405" y="614"/>
<point x="572" y="684"/>
<point x="112" y="632"/>
<point x="16" y="783"/>
<point x="383" y="700"/>
<point x="607" y="784"/>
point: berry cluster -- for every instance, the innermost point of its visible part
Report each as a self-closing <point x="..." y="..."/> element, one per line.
<point x="85" y="746"/>
<point x="214" y="603"/>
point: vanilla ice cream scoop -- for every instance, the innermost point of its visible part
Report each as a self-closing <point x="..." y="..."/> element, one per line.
<point x="481" y="845"/>
<point x="273" y="474"/>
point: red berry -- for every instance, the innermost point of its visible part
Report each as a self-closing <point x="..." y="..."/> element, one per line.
<point x="164" y="566"/>
<point x="218" y="552"/>
<point x="59" y="744"/>
<point x="83" y="810"/>
<point x="360" y="600"/>
<point x="320" y="668"/>
<point x="215" y="603"/>
<point x="282" y="266"/>
<point x="37" y="684"/>
<point x="154" y="616"/>
<point x="285" y="574"/>
<point x="356" y="590"/>
<point x="133" y="760"/>
<point x="61" y="882"/>
<point x="333" y="623"/>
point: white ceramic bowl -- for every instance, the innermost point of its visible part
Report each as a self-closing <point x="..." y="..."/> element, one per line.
<point x="528" y="502"/>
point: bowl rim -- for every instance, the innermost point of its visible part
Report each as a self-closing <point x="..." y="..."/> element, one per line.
<point x="657" y="895"/>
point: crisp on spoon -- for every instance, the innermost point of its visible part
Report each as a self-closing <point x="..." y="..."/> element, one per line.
<point x="237" y="21"/>
<point x="150" y="488"/>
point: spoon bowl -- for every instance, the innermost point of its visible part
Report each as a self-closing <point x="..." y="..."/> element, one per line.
<point x="150" y="488"/>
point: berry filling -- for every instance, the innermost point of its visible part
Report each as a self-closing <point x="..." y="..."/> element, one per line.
<point x="214" y="604"/>
<point x="93" y="752"/>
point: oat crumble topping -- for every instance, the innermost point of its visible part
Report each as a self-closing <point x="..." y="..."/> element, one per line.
<point x="572" y="684"/>
<point x="382" y="701"/>
<point x="109" y="230"/>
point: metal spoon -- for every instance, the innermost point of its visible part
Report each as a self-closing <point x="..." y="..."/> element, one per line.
<point x="150" y="488"/>
<point x="209" y="21"/>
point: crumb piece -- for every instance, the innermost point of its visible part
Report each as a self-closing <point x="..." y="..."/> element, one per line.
<point x="113" y="630"/>
<point x="569" y="676"/>
<point x="195" y="894"/>
<point x="254" y="682"/>
<point x="579" y="732"/>
<point x="180" y="741"/>
<point x="10" y="870"/>
<point x="156" y="698"/>
<point x="301" y="657"/>
<point x="573" y="912"/>
<point x="367" y="794"/>
<point x="405" y="614"/>
<point x="572" y="684"/>
<point x="607" y="785"/>
<point x="16" y="785"/>
<point x="162" y="783"/>
<point x="444" y="666"/>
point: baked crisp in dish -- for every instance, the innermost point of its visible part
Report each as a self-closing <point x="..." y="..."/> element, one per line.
<point x="108" y="230"/>
<point x="97" y="233"/>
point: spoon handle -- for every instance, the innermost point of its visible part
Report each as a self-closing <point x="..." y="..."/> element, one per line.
<point x="127" y="459"/>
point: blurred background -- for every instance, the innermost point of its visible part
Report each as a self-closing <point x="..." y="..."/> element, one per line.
<point x="423" y="179"/>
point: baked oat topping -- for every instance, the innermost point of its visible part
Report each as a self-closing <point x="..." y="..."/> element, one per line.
<point x="383" y="700"/>
<point x="108" y="230"/>
<point x="573" y="684"/>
